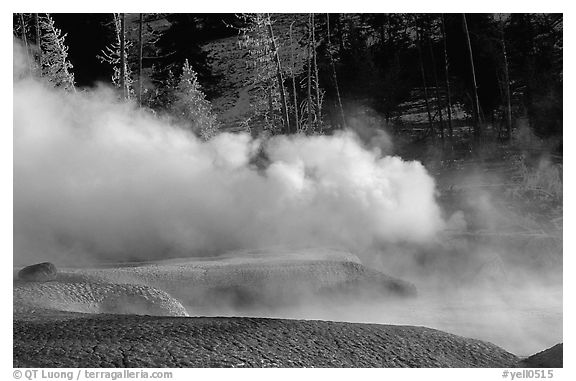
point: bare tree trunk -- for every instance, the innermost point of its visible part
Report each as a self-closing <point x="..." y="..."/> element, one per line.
<point x="316" y="78"/>
<point x="435" y="77"/>
<point x="38" y="41"/>
<point x="339" y="33"/>
<point x="23" y="30"/>
<point x="296" y="116"/>
<point x="382" y="29"/>
<point x="25" y="39"/>
<point x="447" y="77"/>
<point x="123" y="54"/>
<point x="423" y="73"/>
<point x="477" y="131"/>
<point x="334" y="71"/>
<point x="270" y="101"/>
<point x="309" y="72"/>
<point x="507" y="83"/>
<point x="280" y="78"/>
<point x="140" y="49"/>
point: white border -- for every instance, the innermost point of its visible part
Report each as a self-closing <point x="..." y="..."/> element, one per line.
<point x="295" y="6"/>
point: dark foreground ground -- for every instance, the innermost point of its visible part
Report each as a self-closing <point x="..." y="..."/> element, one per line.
<point x="75" y="340"/>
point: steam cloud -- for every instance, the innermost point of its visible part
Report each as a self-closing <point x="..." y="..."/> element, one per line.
<point x="96" y="178"/>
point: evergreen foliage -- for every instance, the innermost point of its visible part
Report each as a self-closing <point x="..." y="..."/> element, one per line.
<point x="381" y="61"/>
<point x="190" y="105"/>
<point x="56" y="67"/>
<point x="112" y="55"/>
<point x="255" y="39"/>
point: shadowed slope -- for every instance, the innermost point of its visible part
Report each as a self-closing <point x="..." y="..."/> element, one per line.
<point x="143" y="341"/>
<point x="549" y="358"/>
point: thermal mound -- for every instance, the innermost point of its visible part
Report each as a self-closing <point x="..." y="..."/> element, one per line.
<point x="151" y="341"/>
<point x="550" y="358"/>
<point x="236" y="280"/>
<point x="96" y="298"/>
<point x="94" y="317"/>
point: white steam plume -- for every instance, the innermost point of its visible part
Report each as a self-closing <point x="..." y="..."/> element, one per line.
<point x="94" y="178"/>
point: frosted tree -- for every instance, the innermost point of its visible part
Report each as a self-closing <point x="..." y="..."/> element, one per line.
<point x="311" y="107"/>
<point x="331" y="52"/>
<point x="305" y="71"/>
<point x="477" y="127"/>
<point x="191" y="106"/>
<point x="262" y="49"/>
<point x="24" y="39"/>
<point x="279" y="76"/>
<point x="116" y="55"/>
<point x="56" y="67"/>
<point x="505" y="82"/>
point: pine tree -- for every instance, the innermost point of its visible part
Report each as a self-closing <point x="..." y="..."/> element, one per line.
<point x="123" y="60"/>
<point x="25" y="41"/>
<point x="333" y="67"/>
<point x="140" y="52"/>
<point x="38" y="40"/>
<point x="447" y="77"/>
<point x="477" y="128"/>
<point x="311" y="107"/>
<point x="255" y="37"/>
<point x="423" y="73"/>
<point x="316" y="77"/>
<point x="501" y="18"/>
<point x="55" y="65"/>
<point x="113" y="55"/>
<point x="293" y="74"/>
<point x="279" y="77"/>
<point x="191" y="106"/>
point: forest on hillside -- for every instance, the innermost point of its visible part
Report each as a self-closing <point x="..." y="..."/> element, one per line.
<point x="469" y="76"/>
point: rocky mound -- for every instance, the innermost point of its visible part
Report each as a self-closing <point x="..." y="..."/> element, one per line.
<point x="145" y="341"/>
<point x="252" y="284"/>
<point x="251" y="279"/>
<point x="549" y="358"/>
<point x="86" y="297"/>
<point x="242" y="281"/>
<point x="40" y="272"/>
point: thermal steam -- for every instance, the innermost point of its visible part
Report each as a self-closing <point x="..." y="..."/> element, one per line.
<point x="95" y="178"/>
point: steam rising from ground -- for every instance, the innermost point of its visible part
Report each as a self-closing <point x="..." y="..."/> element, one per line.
<point x="97" y="178"/>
